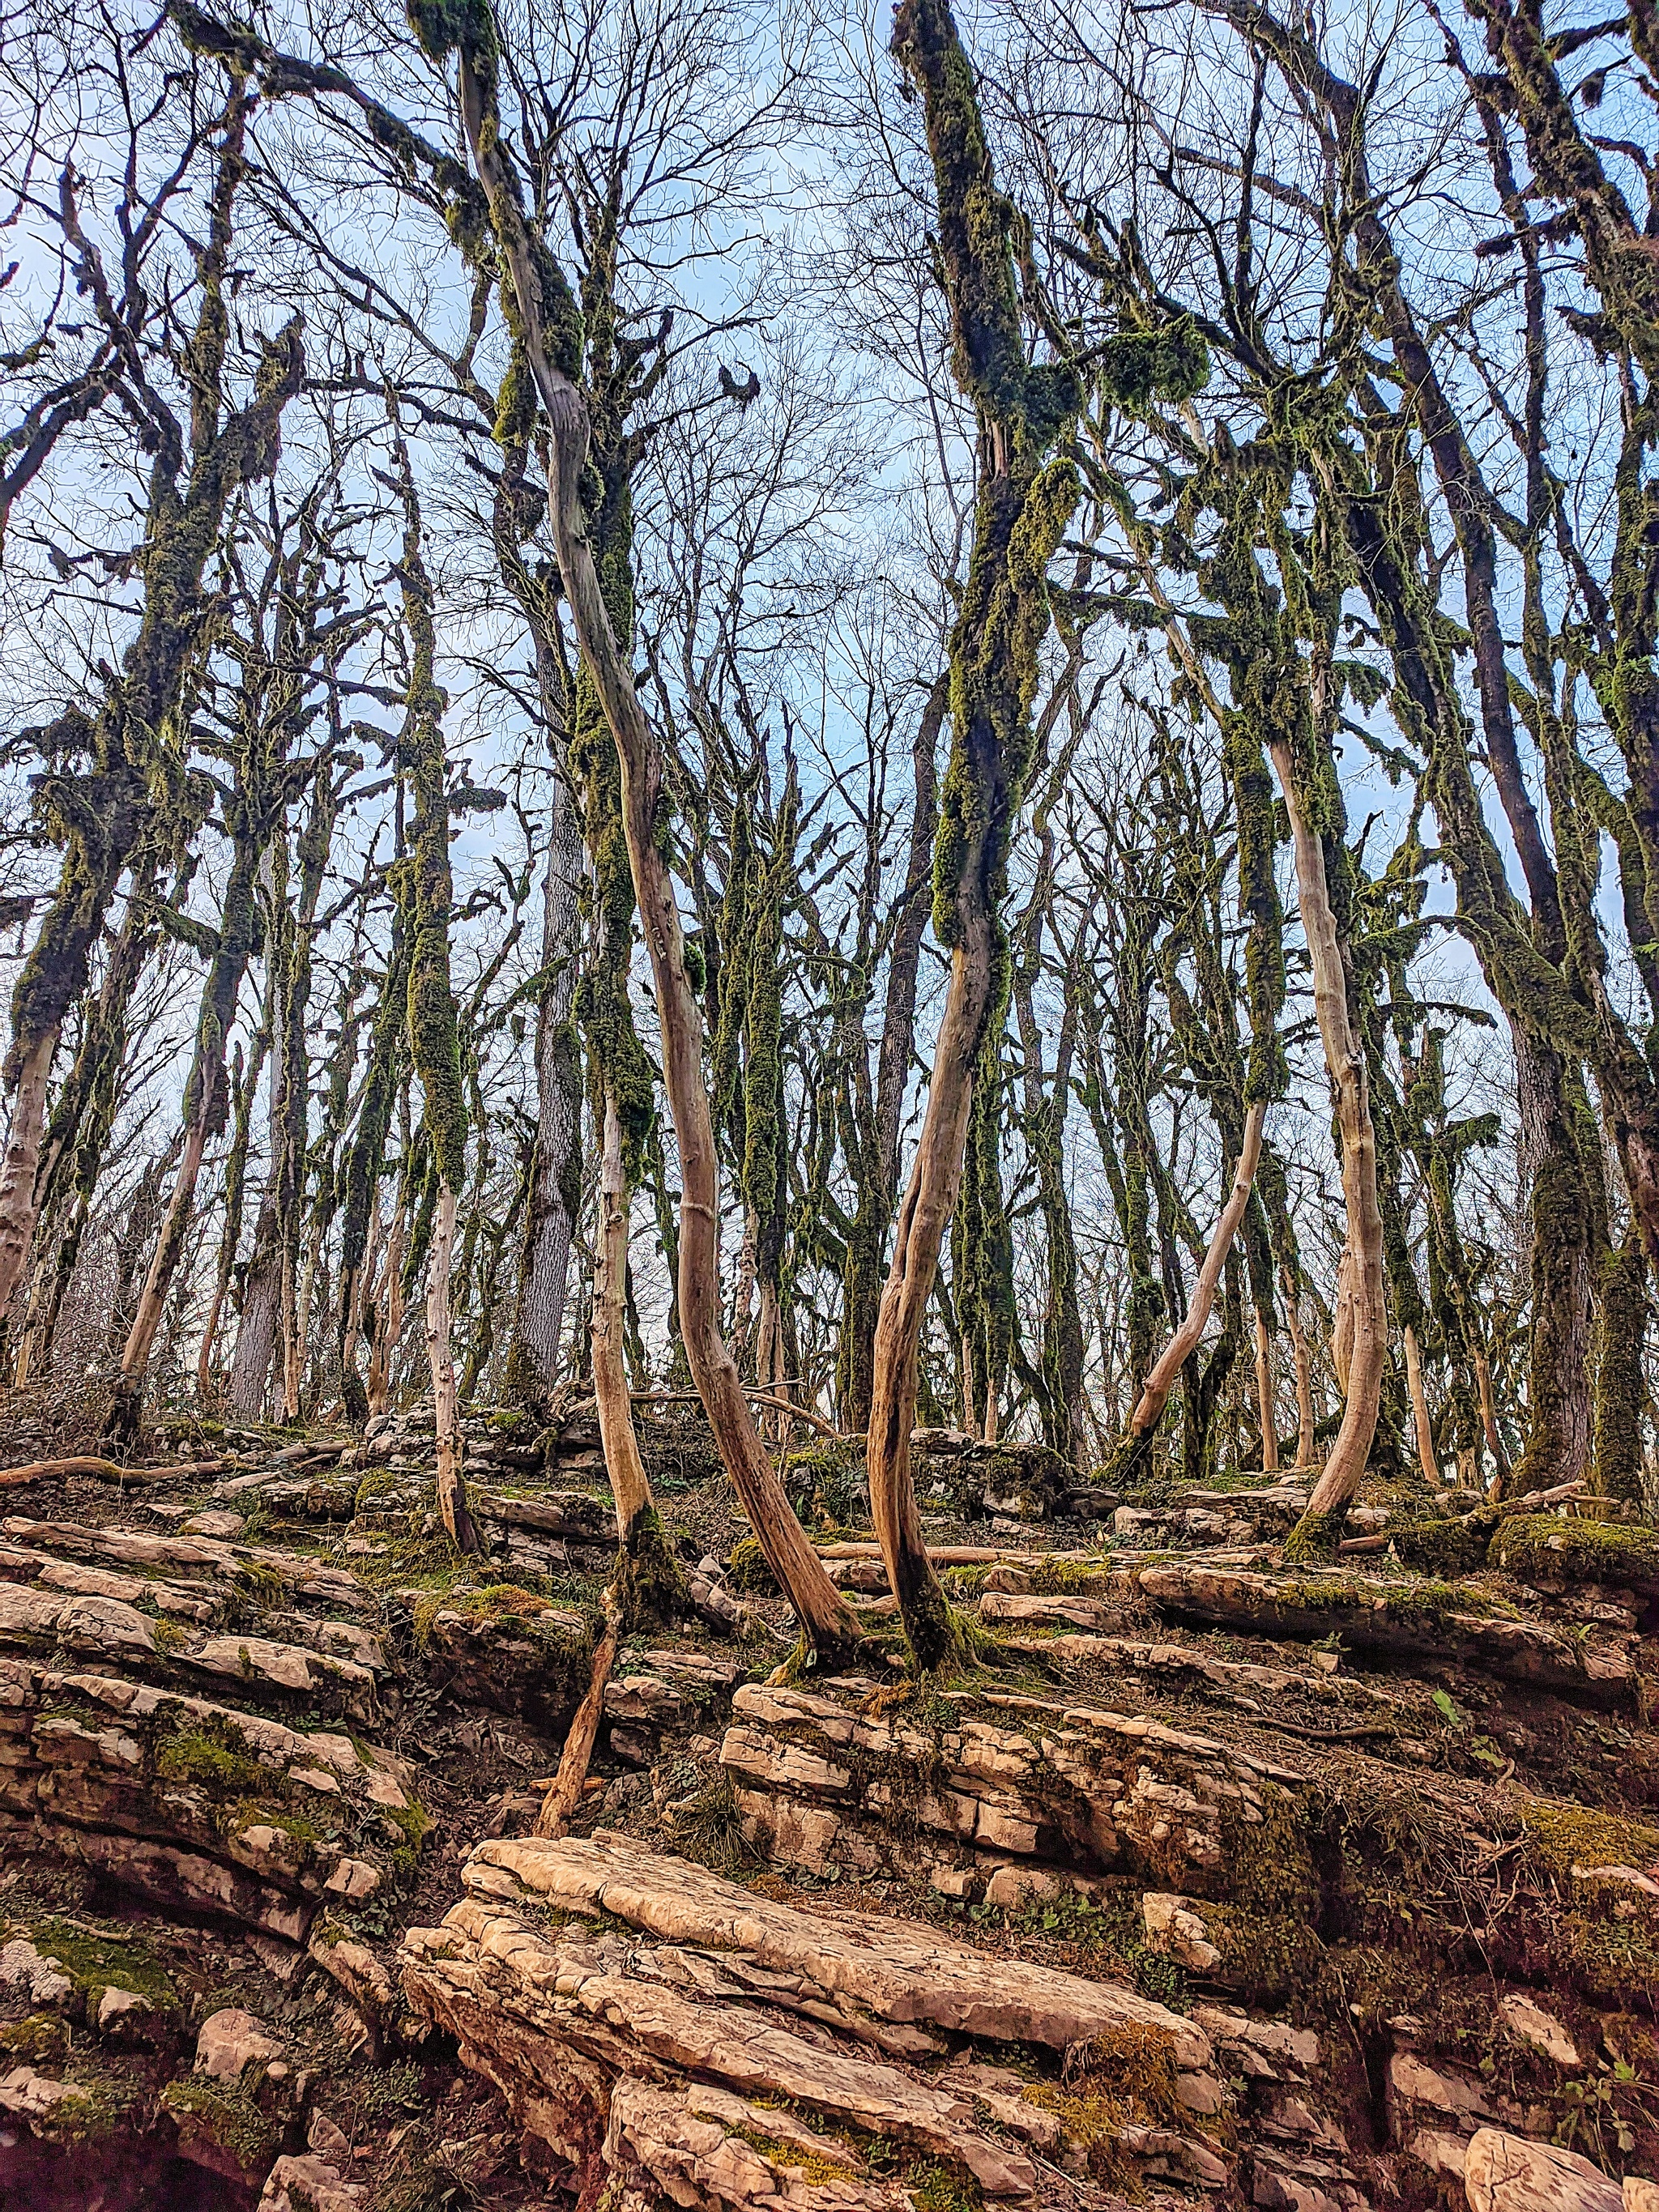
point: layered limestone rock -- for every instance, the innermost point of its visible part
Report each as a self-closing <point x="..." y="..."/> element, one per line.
<point x="646" y="2018"/>
<point x="1047" y="1794"/>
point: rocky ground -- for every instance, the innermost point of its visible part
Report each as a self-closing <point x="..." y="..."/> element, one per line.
<point x="1220" y="1883"/>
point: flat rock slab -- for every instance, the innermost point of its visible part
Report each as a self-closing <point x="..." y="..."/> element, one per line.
<point x="676" y="2037"/>
<point x="898" y="1971"/>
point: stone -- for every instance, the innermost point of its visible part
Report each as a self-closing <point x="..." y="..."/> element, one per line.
<point x="1539" y="2029"/>
<point x="1508" y="2173"/>
<point x="123" y="2016"/>
<point x="895" y="1970"/>
<point x="1176" y="1926"/>
<point x="327" y="2138"/>
<point x="217" y="1523"/>
<point x="20" y="1962"/>
<point x="1640" y="2194"/>
<point x="231" y="2040"/>
<point x="309" y="2183"/>
<point x="31" y="2095"/>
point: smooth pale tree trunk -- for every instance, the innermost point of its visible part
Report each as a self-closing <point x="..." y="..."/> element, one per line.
<point x="152" y="1299"/>
<point x="1345" y="1062"/>
<point x="1264" y="1396"/>
<point x="612" y="1401"/>
<point x="930" y="1197"/>
<point x="827" y="1621"/>
<point x="1425" y="1458"/>
<point x="539" y="1320"/>
<point x="377" y="1387"/>
<point x="21" y="1164"/>
<point x="1166" y="1368"/>
<point x="441" y="1359"/>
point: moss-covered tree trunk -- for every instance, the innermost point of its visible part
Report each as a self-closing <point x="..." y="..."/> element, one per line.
<point x="100" y="810"/>
<point x="1023" y="502"/>
<point x="425" y="893"/>
<point x="878" y="1179"/>
<point x="1622" y="1386"/>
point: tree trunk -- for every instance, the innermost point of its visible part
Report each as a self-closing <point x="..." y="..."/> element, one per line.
<point x="440" y="1359"/>
<point x="827" y="1621"/>
<point x="377" y="1389"/>
<point x="1305" y="1404"/>
<point x="1555" y="1129"/>
<point x="1621" y="1389"/>
<point x="1166" y="1368"/>
<point x="1264" y="1394"/>
<point x="22" y="1161"/>
<point x="1344" y="1061"/>
<point x="1425" y="1458"/>
<point x="649" y="1578"/>
<point x="533" y="1364"/>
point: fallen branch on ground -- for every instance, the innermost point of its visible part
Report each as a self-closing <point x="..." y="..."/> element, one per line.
<point x="105" y="1470"/>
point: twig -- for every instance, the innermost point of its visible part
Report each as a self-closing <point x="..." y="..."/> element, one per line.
<point x="755" y="1397"/>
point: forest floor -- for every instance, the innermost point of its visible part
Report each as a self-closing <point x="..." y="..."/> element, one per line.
<point x="1319" y="1889"/>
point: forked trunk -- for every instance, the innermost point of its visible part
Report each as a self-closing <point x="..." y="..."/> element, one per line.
<point x="1344" y="1061"/>
<point x="440" y="1359"/>
<point x="1166" y="1369"/>
<point x="827" y="1621"/>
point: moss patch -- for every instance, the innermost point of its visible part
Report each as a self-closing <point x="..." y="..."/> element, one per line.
<point x="1539" y="1548"/>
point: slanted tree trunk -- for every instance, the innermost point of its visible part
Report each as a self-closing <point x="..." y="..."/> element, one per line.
<point x="1345" y="1062"/>
<point x="1155" y="1394"/>
<point x="547" y="312"/>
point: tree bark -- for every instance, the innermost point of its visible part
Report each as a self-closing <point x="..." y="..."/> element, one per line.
<point x="441" y="1359"/>
<point x="1345" y="1062"/>
<point x="533" y="1367"/>
<point x="1425" y="1433"/>
<point x="827" y="1621"/>
<point x="1264" y="1394"/>
<point x="1166" y="1368"/>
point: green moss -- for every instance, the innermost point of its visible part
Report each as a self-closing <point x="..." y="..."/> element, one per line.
<point x="934" y="2187"/>
<point x="826" y="1483"/>
<point x="1444" y="1547"/>
<point x="415" y="1824"/>
<point x="1316" y="1536"/>
<point x="1540" y="1547"/>
<point x="95" y="1962"/>
<point x="226" y="2115"/>
<point x="169" y="1636"/>
<point x="747" y="1570"/>
<point x="41" y="2040"/>
<point x="213" y="1757"/>
<point x="1564" y="1836"/>
<point x="796" y="2159"/>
